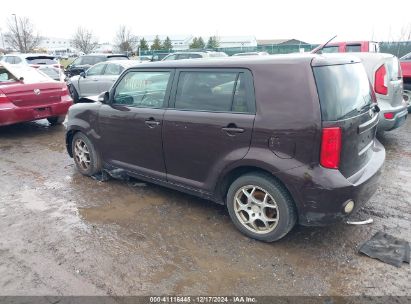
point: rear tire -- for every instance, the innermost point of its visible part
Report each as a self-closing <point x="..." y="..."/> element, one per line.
<point x="86" y="157"/>
<point x="74" y="94"/>
<point x="260" y="207"/>
<point x="56" y="120"/>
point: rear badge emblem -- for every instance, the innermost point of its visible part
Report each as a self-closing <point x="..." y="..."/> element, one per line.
<point x="37" y="91"/>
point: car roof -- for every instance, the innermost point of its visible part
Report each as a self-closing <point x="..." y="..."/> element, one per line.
<point x="371" y="55"/>
<point x="124" y="63"/>
<point x="253" y="61"/>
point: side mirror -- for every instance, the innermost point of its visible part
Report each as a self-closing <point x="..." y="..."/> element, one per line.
<point x="103" y="97"/>
<point x="83" y="74"/>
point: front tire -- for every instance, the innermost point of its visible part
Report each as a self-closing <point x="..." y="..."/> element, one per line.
<point x="86" y="157"/>
<point x="260" y="207"/>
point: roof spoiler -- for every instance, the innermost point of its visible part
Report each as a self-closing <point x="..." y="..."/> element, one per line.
<point x="320" y="47"/>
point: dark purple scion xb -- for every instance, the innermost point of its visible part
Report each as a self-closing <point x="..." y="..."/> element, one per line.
<point x="277" y="139"/>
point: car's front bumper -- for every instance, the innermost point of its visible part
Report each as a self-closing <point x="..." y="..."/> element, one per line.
<point x="11" y="114"/>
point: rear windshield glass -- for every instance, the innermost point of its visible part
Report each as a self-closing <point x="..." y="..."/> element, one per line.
<point x="41" y="60"/>
<point x="344" y="90"/>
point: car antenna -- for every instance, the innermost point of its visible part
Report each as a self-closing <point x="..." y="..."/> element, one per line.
<point x="319" y="48"/>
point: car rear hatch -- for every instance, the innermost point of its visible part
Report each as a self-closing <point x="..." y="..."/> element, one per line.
<point x="33" y="88"/>
<point x="349" y="118"/>
<point x="33" y="94"/>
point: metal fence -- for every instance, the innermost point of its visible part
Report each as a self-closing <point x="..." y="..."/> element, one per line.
<point x="398" y="49"/>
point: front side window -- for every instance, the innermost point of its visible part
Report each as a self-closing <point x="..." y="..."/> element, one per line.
<point x="212" y="91"/>
<point x="142" y="89"/>
<point x="96" y="70"/>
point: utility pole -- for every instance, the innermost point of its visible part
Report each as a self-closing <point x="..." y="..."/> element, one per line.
<point x="18" y="33"/>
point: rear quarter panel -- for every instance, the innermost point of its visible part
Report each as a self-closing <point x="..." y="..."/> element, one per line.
<point x="287" y="127"/>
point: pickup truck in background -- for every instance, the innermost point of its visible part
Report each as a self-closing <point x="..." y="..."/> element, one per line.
<point x="405" y="62"/>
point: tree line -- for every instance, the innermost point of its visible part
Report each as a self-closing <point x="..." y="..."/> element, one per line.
<point x="23" y="37"/>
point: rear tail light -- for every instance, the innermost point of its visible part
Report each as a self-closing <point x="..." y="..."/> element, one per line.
<point x="58" y="66"/>
<point x="36" y="66"/>
<point x="380" y="83"/>
<point x="3" y="98"/>
<point x="64" y="91"/>
<point x="389" y="115"/>
<point x="330" y="148"/>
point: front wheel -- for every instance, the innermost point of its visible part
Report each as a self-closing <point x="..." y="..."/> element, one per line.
<point x="85" y="155"/>
<point x="260" y="207"/>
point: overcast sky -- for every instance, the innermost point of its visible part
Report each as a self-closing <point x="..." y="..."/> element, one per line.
<point x="312" y="21"/>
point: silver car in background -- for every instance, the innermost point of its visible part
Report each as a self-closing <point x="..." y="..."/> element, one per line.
<point x="384" y="73"/>
<point x="99" y="78"/>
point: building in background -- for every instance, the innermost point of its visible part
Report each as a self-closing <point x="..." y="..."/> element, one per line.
<point x="267" y="42"/>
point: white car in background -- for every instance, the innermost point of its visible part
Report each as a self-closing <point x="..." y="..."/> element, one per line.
<point x="46" y="63"/>
<point x="384" y="73"/>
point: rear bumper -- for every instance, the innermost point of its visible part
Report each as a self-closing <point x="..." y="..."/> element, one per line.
<point x="400" y="116"/>
<point x="322" y="193"/>
<point x="11" y="114"/>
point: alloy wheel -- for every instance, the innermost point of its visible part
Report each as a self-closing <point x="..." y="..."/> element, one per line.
<point x="256" y="209"/>
<point x="82" y="154"/>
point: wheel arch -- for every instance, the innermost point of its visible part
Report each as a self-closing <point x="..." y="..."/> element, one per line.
<point x="228" y="177"/>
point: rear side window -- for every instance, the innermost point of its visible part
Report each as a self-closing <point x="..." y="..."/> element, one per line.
<point x="142" y="89"/>
<point x="188" y="56"/>
<point x="212" y="91"/>
<point x="353" y="48"/>
<point x="96" y="70"/>
<point x="344" y="90"/>
<point x="113" y="69"/>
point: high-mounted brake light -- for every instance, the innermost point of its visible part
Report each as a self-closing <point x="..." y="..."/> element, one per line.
<point x="380" y="82"/>
<point x="330" y="148"/>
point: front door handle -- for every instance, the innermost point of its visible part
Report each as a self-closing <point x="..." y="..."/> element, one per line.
<point x="151" y="123"/>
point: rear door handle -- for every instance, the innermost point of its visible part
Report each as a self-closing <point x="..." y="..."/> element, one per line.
<point x="233" y="130"/>
<point x="151" y="123"/>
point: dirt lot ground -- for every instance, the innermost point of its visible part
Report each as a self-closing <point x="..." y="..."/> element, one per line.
<point x="65" y="234"/>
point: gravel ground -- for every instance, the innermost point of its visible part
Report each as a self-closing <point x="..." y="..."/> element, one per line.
<point x="65" y="234"/>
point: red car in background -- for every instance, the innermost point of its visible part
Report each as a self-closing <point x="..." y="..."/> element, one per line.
<point x="405" y="62"/>
<point x="27" y="94"/>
